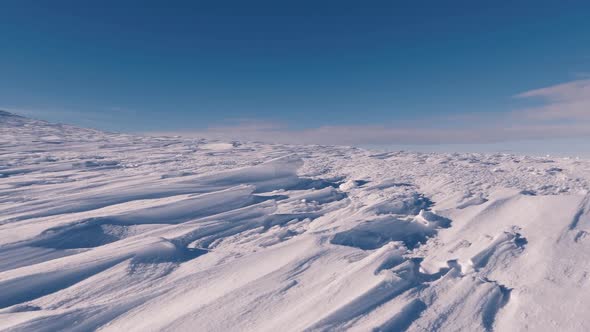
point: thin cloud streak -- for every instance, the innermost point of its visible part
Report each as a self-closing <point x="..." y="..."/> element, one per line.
<point x="360" y="135"/>
<point x="568" y="101"/>
<point x="564" y="113"/>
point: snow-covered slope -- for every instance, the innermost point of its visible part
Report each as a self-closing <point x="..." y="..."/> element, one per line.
<point x="126" y="233"/>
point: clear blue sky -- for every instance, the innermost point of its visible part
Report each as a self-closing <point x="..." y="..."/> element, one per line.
<point x="181" y="65"/>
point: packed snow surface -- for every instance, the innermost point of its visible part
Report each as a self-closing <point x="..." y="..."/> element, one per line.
<point x="114" y="232"/>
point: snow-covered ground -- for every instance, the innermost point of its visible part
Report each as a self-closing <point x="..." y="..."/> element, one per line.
<point x="126" y="233"/>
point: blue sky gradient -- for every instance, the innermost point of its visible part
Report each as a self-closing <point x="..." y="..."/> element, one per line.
<point x="146" y="66"/>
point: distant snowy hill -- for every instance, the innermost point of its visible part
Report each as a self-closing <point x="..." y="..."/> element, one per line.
<point x="114" y="232"/>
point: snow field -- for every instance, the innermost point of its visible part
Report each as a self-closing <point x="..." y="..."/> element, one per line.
<point x="103" y="231"/>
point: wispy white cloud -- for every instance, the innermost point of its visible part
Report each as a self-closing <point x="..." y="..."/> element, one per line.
<point x="579" y="89"/>
<point x="564" y="112"/>
<point x="567" y="101"/>
<point x="361" y="135"/>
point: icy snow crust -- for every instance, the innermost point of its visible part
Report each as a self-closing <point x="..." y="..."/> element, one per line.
<point x="117" y="232"/>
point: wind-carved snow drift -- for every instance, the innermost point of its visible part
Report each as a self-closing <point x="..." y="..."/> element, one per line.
<point x="116" y="232"/>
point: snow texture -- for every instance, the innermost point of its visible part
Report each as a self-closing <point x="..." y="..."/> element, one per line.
<point x="115" y="232"/>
